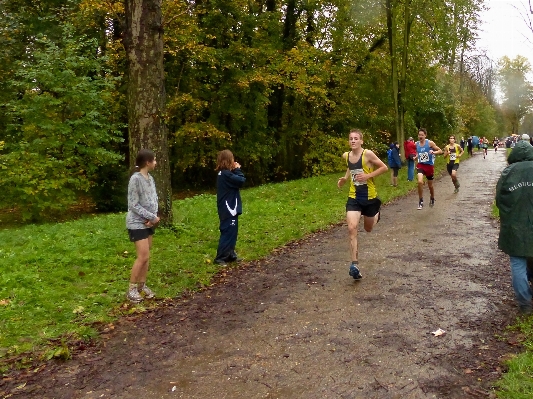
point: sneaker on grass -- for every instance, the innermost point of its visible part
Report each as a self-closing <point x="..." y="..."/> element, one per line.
<point x="148" y="293"/>
<point x="134" y="296"/>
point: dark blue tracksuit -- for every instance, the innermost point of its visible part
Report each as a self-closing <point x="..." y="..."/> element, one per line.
<point x="229" y="206"/>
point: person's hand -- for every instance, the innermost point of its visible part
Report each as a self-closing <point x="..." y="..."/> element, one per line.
<point x="361" y="177"/>
<point x="341" y="181"/>
<point x="236" y="165"/>
<point x="152" y="223"/>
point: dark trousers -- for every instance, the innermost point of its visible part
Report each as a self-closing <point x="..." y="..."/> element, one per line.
<point x="228" y="239"/>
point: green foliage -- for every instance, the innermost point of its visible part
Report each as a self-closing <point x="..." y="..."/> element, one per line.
<point x="110" y="188"/>
<point x="517" y="90"/>
<point x="61" y="131"/>
<point x="270" y="81"/>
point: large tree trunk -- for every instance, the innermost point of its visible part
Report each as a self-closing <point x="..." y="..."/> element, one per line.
<point x="400" y="137"/>
<point x="146" y="93"/>
<point x="391" y="32"/>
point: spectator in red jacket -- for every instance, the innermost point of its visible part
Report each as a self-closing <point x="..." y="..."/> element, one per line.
<point x="409" y="147"/>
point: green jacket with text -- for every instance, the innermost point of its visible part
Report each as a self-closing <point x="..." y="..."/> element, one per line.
<point x="514" y="199"/>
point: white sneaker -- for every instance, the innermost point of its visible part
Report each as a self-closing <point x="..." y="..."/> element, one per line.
<point x="148" y="293"/>
<point x="134" y="296"/>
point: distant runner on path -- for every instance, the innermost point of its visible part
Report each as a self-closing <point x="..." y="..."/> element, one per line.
<point x="452" y="153"/>
<point x="426" y="151"/>
<point x="362" y="166"/>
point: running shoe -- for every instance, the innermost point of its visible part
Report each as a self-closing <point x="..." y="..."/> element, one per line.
<point x="420" y="205"/>
<point x="220" y="262"/>
<point x="134" y="296"/>
<point x="148" y="293"/>
<point x="354" y="271"/>
<point x="431" y="202"/>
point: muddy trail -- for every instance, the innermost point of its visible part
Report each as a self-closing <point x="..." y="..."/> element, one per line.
<point x="295" y="325"/>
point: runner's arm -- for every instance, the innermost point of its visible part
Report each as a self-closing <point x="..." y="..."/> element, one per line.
<point x="379" y="167"/>
<point x="445" y="153"/>
<point x="436" y="150"/>
<point x="342" y="180"/>
<point x="461" y="151"/>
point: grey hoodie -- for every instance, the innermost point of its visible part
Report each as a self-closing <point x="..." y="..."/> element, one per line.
<point x="142" y="201"/>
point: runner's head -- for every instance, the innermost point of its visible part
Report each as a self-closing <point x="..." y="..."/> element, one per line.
<point x="355" y="139"/>
<point x="452" y="139"/>
<point x="422" y="134"/>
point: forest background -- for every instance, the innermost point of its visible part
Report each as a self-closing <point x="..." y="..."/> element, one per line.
<point x="279" y="82"/>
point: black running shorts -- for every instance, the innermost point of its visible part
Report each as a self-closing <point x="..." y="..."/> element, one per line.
<point x="366" y="207"/>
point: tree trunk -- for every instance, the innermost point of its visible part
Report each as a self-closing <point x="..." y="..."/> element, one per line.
<point x="391" y="30"/>
<point x="400" y="137"/>
<point x="143" y="42"/>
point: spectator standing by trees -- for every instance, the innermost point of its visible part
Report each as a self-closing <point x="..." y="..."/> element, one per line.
<point x="229" y="204"/>
<point x="141" y="220"/>
<point x="395" y="162"/>
<point x="409" y="147"/>
<point x="469" y="146"/>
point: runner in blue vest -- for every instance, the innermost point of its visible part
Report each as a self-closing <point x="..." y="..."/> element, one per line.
<point x="426" y="151"/>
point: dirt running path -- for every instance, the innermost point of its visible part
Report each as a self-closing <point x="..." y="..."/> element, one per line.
<point x="295" y="325"/>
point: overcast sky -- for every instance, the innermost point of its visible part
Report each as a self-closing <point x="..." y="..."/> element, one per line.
<point x="504" y="32"/>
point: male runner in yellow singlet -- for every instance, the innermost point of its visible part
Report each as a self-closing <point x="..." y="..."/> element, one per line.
<point x="452" y="153"/>
<point x="362" y="166"/>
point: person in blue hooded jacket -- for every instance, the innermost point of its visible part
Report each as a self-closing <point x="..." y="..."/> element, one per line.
<point x="229" y="181"/>
<point x="514" y="193"/>
<point x="395" y="162"/>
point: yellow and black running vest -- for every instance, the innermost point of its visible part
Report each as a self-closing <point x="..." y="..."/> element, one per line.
<point x="453" y="151"/>
<point x="360" y="190"/>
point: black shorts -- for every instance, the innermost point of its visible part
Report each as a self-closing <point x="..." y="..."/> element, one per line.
<point x="452" y="166"/>
<point x="395" y="171"/>
<point x="366" y="207"/>
<point x="140" y="234"/>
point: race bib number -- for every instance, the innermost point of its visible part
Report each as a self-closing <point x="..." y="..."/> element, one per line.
<point x="355" y="172"/>
<point x="423" y="157"/>
<point x="453" y="157"/>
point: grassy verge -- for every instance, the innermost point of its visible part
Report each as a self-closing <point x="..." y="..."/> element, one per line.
<point x="61" y="281"/>
<point x="517" y="383"/>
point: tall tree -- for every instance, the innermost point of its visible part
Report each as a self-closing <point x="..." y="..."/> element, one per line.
<point x="517" y="90"/>
<point x="143" y="42"/>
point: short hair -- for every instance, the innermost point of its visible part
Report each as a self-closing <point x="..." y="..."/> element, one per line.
<point x="359" y="132"/>
<point x="421" y="129"/>
<point x="225" y="160"/>
<point x="143" y="157"/>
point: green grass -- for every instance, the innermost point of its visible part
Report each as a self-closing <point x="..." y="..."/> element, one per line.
<point x="517" y="383"/>
<point x="60" y="281"/>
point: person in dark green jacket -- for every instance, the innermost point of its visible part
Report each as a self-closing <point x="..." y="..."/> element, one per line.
<point x="514" y="199"/>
